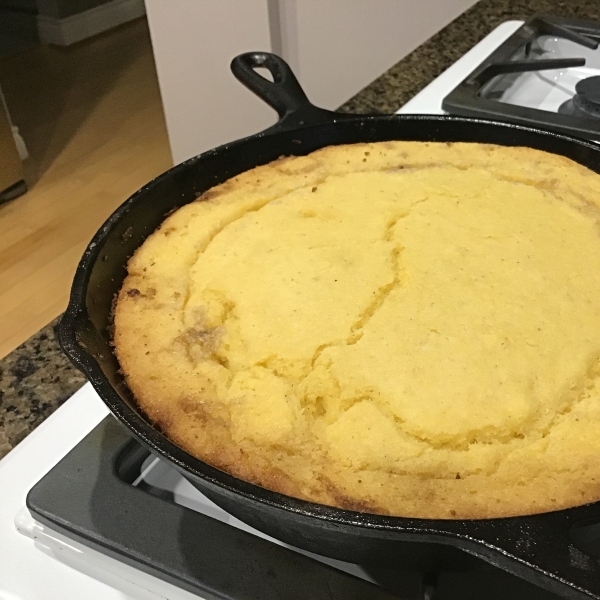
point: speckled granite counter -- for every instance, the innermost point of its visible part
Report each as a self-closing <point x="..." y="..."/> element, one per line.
<point x="36" y="378"/>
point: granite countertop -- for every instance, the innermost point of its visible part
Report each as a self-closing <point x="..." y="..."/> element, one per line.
<point x="36" y="378"/>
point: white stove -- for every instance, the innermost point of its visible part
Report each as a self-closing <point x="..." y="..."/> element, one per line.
<point x="37" y="563"/>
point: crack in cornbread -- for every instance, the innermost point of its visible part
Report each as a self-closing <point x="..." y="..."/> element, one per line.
<point x="402" y="328"/>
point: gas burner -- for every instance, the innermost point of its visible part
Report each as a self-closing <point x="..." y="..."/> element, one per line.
<point x="546" y="75"/>
<point x="586" y="102"/>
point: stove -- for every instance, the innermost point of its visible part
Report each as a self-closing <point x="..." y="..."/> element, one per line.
<point x="110" y="521"/>
<point x="547" y="74"/>
<point x="86" y="512"/>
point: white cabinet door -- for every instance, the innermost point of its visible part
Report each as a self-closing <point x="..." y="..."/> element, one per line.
<point x="194" y="41"/>
<point x="336" y="47"/>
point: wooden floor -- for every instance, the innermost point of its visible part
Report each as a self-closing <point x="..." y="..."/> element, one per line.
<point x="92" y="120"/>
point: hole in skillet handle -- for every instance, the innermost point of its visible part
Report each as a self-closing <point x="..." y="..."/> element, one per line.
<point x="284" y="93"/>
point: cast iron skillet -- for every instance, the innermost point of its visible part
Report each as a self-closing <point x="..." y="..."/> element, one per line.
<point x="557" y="551"/>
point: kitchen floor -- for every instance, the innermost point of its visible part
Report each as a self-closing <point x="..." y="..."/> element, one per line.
<point x="92" y="120"/>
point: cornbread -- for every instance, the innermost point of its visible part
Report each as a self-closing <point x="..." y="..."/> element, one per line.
<point x="401" y="328"/>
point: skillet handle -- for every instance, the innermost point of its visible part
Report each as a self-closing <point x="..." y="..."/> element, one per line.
<point x="284" y="93"/>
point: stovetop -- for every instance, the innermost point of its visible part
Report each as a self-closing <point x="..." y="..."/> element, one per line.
<point x="536" y="77"/>
<point x="81" y="545"/>
<point x="111" y="495"/>
<point x="38" y="561"/>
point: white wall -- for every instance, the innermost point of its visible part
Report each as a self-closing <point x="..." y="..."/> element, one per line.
<point x="194" y="41"/>
<point x="336" y="48"/>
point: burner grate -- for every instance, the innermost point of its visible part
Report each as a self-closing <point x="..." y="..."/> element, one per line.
<point x="531" y="78"/>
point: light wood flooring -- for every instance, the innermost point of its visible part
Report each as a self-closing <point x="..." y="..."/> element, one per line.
<point x="92" y="119"/>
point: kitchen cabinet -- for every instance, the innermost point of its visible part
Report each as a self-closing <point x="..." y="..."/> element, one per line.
<point x="335" y="47"/>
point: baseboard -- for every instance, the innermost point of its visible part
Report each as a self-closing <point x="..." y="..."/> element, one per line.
<point x="67" y="31"/>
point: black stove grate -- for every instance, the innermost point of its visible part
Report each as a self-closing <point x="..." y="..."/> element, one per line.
<point x="88" y="496"/>
<point x="515" y="55"/>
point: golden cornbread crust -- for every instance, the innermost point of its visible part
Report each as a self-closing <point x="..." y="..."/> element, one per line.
<point x="402" y="328"/>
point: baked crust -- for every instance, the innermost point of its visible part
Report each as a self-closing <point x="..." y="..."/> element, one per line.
<point x="401" y="328"/>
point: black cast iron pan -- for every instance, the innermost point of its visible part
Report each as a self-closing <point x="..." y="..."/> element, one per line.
<point x="557" y="551"/>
